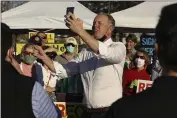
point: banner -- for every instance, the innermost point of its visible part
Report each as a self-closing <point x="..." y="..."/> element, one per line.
<point x="147" y="42"/>
<point x="50" y="36"/>
<point x="143" y="85"/>
<point x="59" y="47"/>
<point x="70" y="110"/>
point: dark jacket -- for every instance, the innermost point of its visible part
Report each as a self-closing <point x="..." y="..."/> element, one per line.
<point x="16" y="93"/>
<point x="160" y="101"/>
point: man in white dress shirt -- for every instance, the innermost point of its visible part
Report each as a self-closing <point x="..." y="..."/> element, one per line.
<point x="100" y="66"/>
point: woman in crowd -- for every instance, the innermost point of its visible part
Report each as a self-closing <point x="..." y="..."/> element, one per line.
<point x="131" y="76"/>
<point x="30" y="67"/>
<point x="131" y="42"/>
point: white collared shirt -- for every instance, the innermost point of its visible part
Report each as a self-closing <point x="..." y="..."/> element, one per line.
<point x="101" y="74"/>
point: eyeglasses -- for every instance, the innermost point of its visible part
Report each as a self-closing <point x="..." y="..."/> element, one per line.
<point x="28" y="53"/>
<point x="141" y="57"/>
<point x="70" y="44"/>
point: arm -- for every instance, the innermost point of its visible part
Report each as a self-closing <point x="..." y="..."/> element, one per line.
<point x="39" y="53"/>
<point x="76" y="25"/>
<point x="42" y="105"/>
<point x="69" y="69"/>
<point x="115" y="53"/>
<point x="12" y="61"/>
<point x="89" y="40"/>
<point x="16" y="65"/>
<point x="62" y="71"/>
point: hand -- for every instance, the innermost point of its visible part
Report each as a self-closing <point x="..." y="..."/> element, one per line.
<point x="80" y="22"/>
<point x="76" y="25"/>
<point x="39" y="52"/>
<point x="9" y="56"/>
<point x="49" y="89"/>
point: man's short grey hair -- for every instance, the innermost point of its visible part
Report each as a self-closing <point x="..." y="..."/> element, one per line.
<point x="110" y="18"/>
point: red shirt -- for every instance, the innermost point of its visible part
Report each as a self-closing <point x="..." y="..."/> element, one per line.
<point x="131" y="76"/>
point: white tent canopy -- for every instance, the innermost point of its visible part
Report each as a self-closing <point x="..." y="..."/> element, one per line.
<point x="45" y="15"/>
<point x="144" y="15"/>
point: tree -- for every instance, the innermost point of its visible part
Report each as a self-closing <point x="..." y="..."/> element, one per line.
<point x="108" y="6"/>
<point x="6" y="5"/>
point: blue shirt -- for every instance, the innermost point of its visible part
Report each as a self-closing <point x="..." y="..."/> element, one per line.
<point x="42" y="105"/>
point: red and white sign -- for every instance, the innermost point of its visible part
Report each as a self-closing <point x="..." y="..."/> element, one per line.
<point x="143" y="85"/>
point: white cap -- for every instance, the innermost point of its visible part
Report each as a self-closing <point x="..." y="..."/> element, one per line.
<point x="71" y="40"/>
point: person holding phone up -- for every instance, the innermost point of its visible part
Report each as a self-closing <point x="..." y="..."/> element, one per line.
<point x="100" y="66"/>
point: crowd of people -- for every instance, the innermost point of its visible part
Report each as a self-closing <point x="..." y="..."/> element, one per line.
<point x="107" y="71"/>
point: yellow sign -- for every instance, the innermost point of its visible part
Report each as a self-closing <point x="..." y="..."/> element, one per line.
<point x="50" y="36"/>
<point x="70" y="110"/>
<point x="19" y="47"/>
<point x="32" y="34"/>
<point x="59" y="47"/>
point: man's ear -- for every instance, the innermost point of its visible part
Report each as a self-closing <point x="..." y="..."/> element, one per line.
<point x="111" y="28"/>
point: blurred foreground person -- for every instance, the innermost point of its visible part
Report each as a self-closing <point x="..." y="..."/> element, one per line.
<point x="160" y="100"/>
<point x="100" y="66"/>
<point x="22" y="97"/>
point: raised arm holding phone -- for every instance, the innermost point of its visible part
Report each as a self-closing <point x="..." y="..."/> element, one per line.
<point x="100" y="66"/>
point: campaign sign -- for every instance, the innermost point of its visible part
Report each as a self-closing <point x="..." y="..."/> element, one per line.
<point x="50" y="36"/>
<point x="70" y="110"/>
<point x="147" y="42"/>
<point x="143" y="85"/>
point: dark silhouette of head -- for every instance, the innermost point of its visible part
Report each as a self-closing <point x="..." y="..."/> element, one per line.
<point x="6" y="40"/>
<point x="166" y="35"/>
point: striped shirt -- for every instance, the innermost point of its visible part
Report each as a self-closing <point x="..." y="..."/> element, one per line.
<point x="43" y="107"/>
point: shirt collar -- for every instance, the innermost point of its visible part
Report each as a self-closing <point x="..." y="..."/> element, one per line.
<point x="108" y="42"/>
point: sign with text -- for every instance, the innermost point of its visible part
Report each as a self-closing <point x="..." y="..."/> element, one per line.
<point x="147" y="42"/>
<point x="59" y="47"/>
<point x="143" y="85"/>
<point x="70" y="110"/>
<point x="50" y="36"/>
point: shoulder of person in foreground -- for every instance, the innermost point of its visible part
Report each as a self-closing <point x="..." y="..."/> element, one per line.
<point x="130" y="106"/>
<point x="43" y="107"/>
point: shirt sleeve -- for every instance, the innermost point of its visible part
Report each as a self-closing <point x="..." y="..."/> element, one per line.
<point x="43" y="107"/>
<point x="67" y="70"/>
<point x="114" y="53"/>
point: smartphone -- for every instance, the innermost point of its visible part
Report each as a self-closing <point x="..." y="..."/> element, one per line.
<point x="70" y="9"/>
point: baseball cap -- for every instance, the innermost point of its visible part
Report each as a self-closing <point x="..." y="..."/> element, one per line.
<point x="71" y="40"/>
